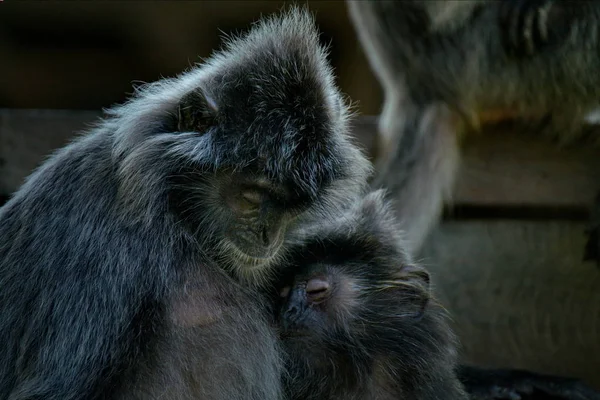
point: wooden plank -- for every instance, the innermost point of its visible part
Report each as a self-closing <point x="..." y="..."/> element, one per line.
<point x="503" y="168"/>
<point x="519" y="294"/>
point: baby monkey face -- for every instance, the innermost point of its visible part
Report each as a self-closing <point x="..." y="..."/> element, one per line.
<point x="317" y="301"/>
<point x="328" y="301"/>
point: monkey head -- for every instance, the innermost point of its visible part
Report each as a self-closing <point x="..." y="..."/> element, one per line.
<point x="328" y="300"/>
<point x="244" y="146"/>
<point x="356" y="318"/>
<point x="316" y="298"/>
<point x="352" y="274"/>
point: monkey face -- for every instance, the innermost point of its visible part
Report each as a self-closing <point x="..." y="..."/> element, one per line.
<point x="259" y="214"/>
<point x="305" y="304"/>
<point x="318" y="302"/>
<point x="242" y="188"/>
<point x="244" y="217"/>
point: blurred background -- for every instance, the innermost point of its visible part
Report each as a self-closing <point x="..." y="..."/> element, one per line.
<point x="85" y="55"/>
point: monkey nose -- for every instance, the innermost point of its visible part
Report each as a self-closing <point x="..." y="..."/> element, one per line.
<point x="271" y="237"/>
<point x="292" y="316"/>
<point x="292" y="313"/>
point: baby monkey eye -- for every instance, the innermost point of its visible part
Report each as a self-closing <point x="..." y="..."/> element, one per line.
<point x="317" y="288"/>
<point x="285" y="291"/>
<point x="252" y="197"/>
<point x="250" y="200"/>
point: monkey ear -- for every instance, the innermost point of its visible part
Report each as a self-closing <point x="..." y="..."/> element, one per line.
<point x="416" y="274"/>
<point x="196" y="112"/>
<point x="412" y="283"/>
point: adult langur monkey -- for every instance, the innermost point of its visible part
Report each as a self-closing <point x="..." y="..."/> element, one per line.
<point x="131" y="260"/>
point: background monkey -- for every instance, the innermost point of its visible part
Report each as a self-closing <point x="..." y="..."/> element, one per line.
<point x="357" y="322"/>
<point x="445" y="65"/>
<point x="153" y="232"/>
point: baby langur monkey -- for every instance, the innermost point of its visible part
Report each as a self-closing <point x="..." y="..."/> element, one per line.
<point x="358" y="322"/>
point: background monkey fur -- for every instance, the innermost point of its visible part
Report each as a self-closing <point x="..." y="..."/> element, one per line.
<point x="357" y="321"/>
<point x="445" y="65"/>
<point x="131" y="260"/>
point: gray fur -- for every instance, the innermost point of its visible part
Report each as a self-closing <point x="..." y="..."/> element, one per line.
<point x="473" y="57"/>
<point x="112" y="286"/>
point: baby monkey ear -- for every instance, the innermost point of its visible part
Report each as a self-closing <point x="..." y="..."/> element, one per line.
<point x="415" y="274"/>
<point x="196" y="112"/>
<point x="412" y="284"/>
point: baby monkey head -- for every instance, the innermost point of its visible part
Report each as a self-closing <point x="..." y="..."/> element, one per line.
<point x="354" y="278"/>
<point x="329" y="300"/>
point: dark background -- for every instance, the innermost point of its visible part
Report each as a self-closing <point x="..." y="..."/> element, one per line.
<point x="86" y="54"/>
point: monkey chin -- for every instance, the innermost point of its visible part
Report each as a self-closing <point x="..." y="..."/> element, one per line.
<point x="247" y="268"/>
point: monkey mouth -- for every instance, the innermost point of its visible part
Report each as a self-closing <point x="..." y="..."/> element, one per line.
<point x="249" y="261"/>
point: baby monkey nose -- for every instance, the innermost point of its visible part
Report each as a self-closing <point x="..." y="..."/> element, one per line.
<point x="292" y="312"/>
<point x="294" y="308"/>
<point x="291" y="316"/>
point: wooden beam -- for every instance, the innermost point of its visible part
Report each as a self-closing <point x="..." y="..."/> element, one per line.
<point x="512" y="169"/>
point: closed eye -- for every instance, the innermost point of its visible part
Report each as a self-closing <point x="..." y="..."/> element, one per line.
<point x="249" y="201"/>
<point x="317" y="289"/>
<point x="284" y="292"/>
<point x="252" y="197"/>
